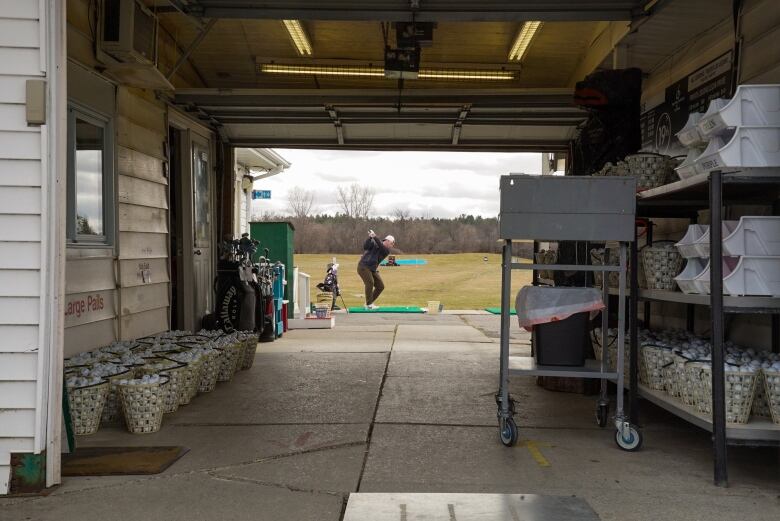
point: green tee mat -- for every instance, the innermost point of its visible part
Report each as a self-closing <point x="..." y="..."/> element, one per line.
<point x="497" y="311"/>
<point x="120" y="461"/>
<point x="389" y="309"/>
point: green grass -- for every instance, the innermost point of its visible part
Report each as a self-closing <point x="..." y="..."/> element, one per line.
<point x="459" y="281"/>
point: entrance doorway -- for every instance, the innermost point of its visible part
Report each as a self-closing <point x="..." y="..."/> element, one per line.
<point x="191" y="227"/>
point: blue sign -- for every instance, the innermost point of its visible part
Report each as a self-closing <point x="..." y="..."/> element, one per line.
<point x="261" y="194"/>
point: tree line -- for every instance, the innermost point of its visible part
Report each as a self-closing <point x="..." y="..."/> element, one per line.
<point x="346" y="231"/>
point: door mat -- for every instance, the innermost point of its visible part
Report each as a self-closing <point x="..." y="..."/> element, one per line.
<point x="497" y="311"/>
<point x="119" y="461"/>
<point x="389" y="309"/>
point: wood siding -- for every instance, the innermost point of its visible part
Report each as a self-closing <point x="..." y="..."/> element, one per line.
<point x="761" y="42"/>
<point x="21" y="151"/>
<point x="143" y="279"/>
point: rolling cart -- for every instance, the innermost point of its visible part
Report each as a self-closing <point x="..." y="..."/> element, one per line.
<point x="569" y="208"/>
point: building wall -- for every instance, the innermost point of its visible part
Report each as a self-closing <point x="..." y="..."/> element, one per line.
<point x="22" y="230"/>
<point x="760" y="29"/>
<point x="142" y="198"/>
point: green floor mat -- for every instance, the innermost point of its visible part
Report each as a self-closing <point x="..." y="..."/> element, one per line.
<point x="389" y="309"/>
<point x="497" y="311"/>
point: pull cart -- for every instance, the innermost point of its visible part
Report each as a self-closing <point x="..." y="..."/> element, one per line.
<point x="570" y="208"/>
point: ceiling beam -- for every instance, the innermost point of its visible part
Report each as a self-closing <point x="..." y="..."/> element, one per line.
<point x="343" y="120"/>
<point x="444" y="145"/>
<point x="260" y="114"/>
<point x="497" y="98"/>
<point x="400" y="10"/>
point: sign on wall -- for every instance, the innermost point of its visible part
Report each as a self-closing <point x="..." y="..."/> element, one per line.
<point x="693" y="93"/>
<point x="261" y="194"/>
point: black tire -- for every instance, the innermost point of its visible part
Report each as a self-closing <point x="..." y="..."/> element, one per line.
<point x="507" y="431"/>
<point x="602" y="415"/>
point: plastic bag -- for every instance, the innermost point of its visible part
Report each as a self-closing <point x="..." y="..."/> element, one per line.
<point x="540" y="305"/>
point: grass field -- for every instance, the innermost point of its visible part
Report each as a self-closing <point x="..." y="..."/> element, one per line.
<point x="459" y="281"/>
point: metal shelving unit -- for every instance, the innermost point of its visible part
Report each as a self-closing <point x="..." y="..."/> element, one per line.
<point x="559" y="209"/>
<point x="683" y="199"/>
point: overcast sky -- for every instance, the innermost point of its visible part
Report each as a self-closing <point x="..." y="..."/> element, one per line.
<point x="434" y="184"/>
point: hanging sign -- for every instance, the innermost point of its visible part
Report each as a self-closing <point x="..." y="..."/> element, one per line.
<point x="261" y="194"/>
<point x="690" y="94"/>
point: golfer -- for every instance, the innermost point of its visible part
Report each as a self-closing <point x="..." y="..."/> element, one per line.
<point x="374" y="252"/>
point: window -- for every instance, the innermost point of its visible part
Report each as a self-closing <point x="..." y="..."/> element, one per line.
<point x="90" y="178"/>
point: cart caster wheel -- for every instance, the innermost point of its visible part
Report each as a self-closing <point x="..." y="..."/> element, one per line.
<point x="631" y="443"/>
<point x="602" y="415"/>
<point x="508" y="431"/>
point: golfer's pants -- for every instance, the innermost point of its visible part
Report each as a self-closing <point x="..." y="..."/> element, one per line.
<point x="373" y="283"/>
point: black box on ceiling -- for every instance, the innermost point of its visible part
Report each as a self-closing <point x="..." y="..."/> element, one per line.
<point x="409" y="35"/>
<point x="402" y="63"/>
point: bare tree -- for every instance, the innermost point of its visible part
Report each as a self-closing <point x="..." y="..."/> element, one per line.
<point x="355" y="200"/>
<point x="401" y="214"/>
<point x="300" y="201"/>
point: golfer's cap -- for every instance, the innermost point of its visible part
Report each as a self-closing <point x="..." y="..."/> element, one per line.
<point x="390" y="238"/>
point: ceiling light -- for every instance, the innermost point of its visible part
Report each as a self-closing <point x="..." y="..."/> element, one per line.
<point x="523" y="40"/>
<point x="322" y="70"/>
<point x="299" y="37"/>
<point x="378" y="72"/>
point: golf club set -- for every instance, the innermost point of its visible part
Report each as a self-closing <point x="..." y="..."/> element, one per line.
<point x="244" y="290"/>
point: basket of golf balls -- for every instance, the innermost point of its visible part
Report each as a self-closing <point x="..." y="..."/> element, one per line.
<point x="86" y="399"/>
<point x="111" y="373"/>
<point x="142" y="402"/>
<point x="772" y="389"/>
<point x="760" y="400"/>
<point x="174" y="393"/>
<point x="650" y="170"/>
<point x="653" y="360"/>
<point x="192" y="359"/>
<point x="232" y="351"/>
<point x="546" y="257"/>
<point x="212" y="363"/>
<point x="250" y="350"/>
<point x="662" y="263"/>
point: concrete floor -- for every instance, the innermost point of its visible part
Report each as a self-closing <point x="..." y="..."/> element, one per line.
<point x="403" y="403"/>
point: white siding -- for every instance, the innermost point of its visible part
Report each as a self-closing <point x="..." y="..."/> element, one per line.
<point x="20" y="231"/>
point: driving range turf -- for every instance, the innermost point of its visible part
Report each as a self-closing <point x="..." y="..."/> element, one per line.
<point x="458" y="281"/>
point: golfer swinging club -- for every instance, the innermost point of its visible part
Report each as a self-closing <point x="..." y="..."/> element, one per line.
<point x="374" y="252"/>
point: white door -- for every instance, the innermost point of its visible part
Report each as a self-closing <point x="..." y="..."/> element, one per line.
<point x="203" y="250"/>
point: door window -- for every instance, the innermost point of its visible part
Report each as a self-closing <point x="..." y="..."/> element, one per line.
<point x="202" y="197"/>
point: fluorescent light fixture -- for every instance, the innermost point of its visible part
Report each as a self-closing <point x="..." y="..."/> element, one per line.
<point x="379" y="72"/>
<point x="523" y="40"/>
<point x="299" y="37"/>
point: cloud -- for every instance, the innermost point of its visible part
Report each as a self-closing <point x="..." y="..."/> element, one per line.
<point x="438" y="184"/>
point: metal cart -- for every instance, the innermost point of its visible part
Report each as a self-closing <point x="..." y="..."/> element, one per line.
<point x="575" y="208"/>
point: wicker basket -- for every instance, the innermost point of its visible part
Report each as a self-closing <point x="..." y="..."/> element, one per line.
<point x="650" y="170"/>
<point x="691" y="373"/>
<point x="173" y="392"/>
<point x="651" y="367"/>
<point x="86" y="407"/>
<point x="612" y="354"/>
<point x="674" y="375"/>
<point x="112" y="410"/>
<point x="250" y="352"/>
<point x="143" y="406"/>
<point x="191" y="381"/>
<point x="772" y="388"/>
<point x="661" y="266"/>
<point x="212" y="362"/>
<point x="740" y="389"/>
<point x="760" y="402"/>
<point x="231" y="359"/>
<point x="324" y="297"/>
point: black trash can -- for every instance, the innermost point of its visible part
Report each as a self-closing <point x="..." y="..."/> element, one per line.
<point x="564" y="342"/>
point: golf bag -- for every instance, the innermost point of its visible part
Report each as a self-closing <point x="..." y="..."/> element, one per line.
<point x="240" y="296"/>
<point x="331" y="283"/>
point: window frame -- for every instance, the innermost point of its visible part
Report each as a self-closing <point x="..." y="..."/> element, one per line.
<point x="77" y="111"/>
